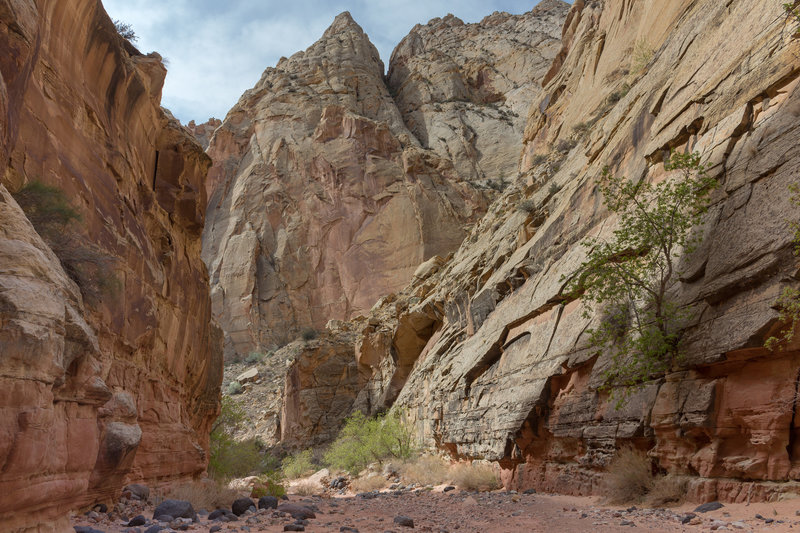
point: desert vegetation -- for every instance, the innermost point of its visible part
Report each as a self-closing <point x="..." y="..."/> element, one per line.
<point x="627" y="276"/>
<point x="58" y="223"/>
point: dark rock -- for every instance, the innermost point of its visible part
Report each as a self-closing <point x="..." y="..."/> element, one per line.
<point x="685" y="519"/>
<point x="627" y="523"/>
<point x="100" y="508"/>
<point x="530" y="491"/>
<point x="175" y="509"/>
<point x="346" y="529"/>
<point x="154" y="529"/>
<point x="137" y="492"/>
<point x="710" y="506"/>
<point x="164" y="518"/>
<point x="300" y="512"/>
<point x="214" y="529"/>
<point x="86" y="529"/>
<point x="223" y="515"/>
<point x="240" y="506"/>
<point x="294" y="527"/>
<point x="403" y="521"/>
<point x="137" y="521"/>
<point x="285" y="497"/>
<point x="268" y="502"/>
<point x="448" y="488"/>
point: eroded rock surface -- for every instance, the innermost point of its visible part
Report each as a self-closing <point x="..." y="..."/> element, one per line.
<point x="489" y="358"/>
<point x="97" y="393"/>
<point x="322" y="199"/>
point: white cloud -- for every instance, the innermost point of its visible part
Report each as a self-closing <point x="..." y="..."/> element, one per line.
<point x="217" y="50"/>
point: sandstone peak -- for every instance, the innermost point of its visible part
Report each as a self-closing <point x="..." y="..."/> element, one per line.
<point x="344" y="21"/>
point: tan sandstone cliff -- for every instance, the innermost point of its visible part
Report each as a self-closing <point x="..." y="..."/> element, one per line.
<point x="325" y="195"/>
<point x="94" y="395"/>
<point x="488" y="356"/>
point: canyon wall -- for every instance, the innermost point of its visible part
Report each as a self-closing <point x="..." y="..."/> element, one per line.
<point x="120" y="385"/>
<point x="330" y="186"/>
<point x="490" y="358"/>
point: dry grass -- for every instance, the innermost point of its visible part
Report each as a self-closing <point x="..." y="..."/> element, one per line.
<point x="629" y="477"/>
<point x="475" y="476"/>
<point x="206" y="494"/>
<point x="368" y="483"/>
<point x="306" y="488"/>
<point x="669" y="490"/>
<point x="426" y="470"/>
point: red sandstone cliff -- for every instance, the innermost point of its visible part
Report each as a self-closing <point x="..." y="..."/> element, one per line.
<point x="325" y="195"/>
<point x="487" y="355"/>
<point x="124" y="389"/>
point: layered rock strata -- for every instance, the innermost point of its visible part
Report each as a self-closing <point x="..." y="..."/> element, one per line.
<point x="97" y="393"/>
<point x="322" y="199"/>
<point x="487" y="355"/>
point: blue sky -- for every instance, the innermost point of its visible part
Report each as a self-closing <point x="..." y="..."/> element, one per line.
<point x="217" y="49"/>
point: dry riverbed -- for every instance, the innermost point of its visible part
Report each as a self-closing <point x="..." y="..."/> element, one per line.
<point x="462" y="512"/>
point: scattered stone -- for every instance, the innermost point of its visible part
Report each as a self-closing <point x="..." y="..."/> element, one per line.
<point x="100" y="508"/>
<point x="136" y="491"/>
<point x="627" y="523"/>
<point x="268" y="502"/>
<point x="86" y="529"/>
<point x="404" y="521"/>
<point x="240" y="506"/>
<point x="710" y="506"/>
<point x="214" y="529"/>
<point x="154" y="529"/>
<point x="346" y="529"/>
<point x="300" y="512"/>
<point x="294" y="527"/>
<point x="175" y="509"/>
<point x="139" y="520"/>
<point x="530" y="491"/>
<point x="448" y="488"/>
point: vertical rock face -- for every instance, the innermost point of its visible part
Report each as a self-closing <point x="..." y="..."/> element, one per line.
<point x="490" y="359"/>
<point x="125" y="388"/>
<point x="321" y="198"/>
<point x="464" y="89"/>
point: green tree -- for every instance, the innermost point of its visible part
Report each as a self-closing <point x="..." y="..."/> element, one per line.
<point x="125" y="30"/>
<point x="365" y="440"/>
<point x="789" y="301"/>
<point x="227" y="456"/>
<point x="628" y="275"/>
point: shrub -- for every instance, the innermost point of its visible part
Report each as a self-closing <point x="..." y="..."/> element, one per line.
<point x="308" y="334"/>
<point x="619" y="94"/>
<point x="642" y="54"/>
<point x="629" y="477"/>
<point x="229" y="458"/>
<point x="299" y="465"/>
<point x="527" y="206"/>
<point x="793" y="13"/>
<point x="268" y="484"/>
<point x="368" y="483"/>
<point x="254" y="357"/>
<point x="234" y="388"/>
<point x="307" y="488"/>
<point x="553" y="190"/>
<point x="635" y="268"/>
<point x="365" y="440"/>
<point x="667" y="490"/>
<point x="538" y="159"/>
<point x="426" y="470"/>
<point x="475" y="476"/>
<point x="53" y="218"/>
<point x="565" y="145"/>
<point x="125" y="31"/>
<point x="581" y="129"/>
<point x="205" y="494"/>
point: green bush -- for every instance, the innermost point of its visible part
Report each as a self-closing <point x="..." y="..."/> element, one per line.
<point x="125" y="31"/>
<point x="54" y="220"/>
<point x="299" y="465"/>
<point x="365" y="440"/>
<point x="234" y="387"/>
<point x="229" y="458"/>
<point x="527" y="206"/>
<point x="254" y="357"/>
<point x="630" y="274"/>
<point x="308" y="334"/>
